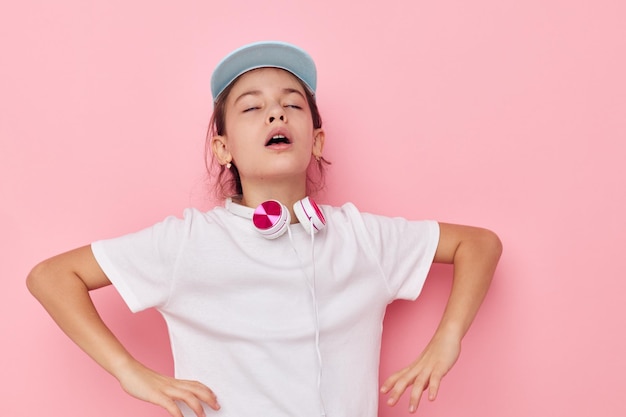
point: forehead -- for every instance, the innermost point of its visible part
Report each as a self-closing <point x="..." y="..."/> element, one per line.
<point x="265" y="79"/>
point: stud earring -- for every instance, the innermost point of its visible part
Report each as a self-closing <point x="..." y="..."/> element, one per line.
<point x="228" y="165"/>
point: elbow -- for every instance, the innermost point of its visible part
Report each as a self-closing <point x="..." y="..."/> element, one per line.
<point x="45" y="279"/>
<point x="36" y="279"/>
<point x="491" y="244"/>
<point x="495" y="243"/>
<point x="460" y="243"/>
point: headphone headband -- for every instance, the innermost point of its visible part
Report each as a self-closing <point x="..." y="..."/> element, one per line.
<point x="239" y="209"/>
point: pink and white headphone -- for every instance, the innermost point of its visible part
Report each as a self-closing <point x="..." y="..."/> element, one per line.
<point x="271" y="218"/>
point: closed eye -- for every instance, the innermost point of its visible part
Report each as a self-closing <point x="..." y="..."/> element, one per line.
<point x="249" y="109"/>
<point x="293" y="106"/>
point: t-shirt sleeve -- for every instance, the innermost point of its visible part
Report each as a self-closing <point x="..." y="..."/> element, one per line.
<point x="404" y="249"/>
<point x="142" y="265"/>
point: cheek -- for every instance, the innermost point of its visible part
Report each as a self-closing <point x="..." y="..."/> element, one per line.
<point x="241" y="148"/>
<point x="236" y="137"/>
<point x="235" y="150"/>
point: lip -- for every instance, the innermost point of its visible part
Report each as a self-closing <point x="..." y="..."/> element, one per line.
<point x="278" y="146"/>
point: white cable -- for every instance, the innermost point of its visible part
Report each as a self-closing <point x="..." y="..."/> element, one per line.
<point x="311" y="285"/>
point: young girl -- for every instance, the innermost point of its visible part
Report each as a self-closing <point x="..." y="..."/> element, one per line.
<point x="267" y="316"/>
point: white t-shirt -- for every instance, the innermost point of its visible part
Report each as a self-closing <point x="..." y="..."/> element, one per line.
<point x="240" y="308"/>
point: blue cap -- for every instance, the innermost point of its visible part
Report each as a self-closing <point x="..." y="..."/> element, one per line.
<point x="262" y="55"/>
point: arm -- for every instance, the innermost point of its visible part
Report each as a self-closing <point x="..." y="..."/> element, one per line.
<point x="62" y="285"/>
<point x="475" y="253"/>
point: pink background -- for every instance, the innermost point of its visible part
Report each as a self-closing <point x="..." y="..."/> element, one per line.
<point x="500" y="113"/>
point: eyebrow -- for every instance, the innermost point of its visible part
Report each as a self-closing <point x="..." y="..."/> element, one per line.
<point x="258" y="92"/>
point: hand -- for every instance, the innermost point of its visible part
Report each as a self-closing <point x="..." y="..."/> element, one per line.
<point x="164" y="391"/>
<point x="424" y="373"/>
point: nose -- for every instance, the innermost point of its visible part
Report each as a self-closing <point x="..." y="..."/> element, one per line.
<point x="276" y="112"/>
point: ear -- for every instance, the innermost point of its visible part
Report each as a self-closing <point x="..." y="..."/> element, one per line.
<point x="220" y="150"/>
<point x="318" y="142"/>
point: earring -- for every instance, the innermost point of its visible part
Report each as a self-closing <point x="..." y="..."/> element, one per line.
<point x="228" y="165"/>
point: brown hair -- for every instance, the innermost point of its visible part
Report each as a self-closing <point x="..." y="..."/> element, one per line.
<point x="227" y="181"/>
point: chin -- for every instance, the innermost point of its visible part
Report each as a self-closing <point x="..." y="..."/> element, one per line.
<point x="278" y="173"/>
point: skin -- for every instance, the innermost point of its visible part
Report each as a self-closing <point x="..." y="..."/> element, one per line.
<point x="261" y="103"/>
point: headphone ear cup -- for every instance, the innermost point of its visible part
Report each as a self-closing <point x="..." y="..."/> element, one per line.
<point x="271" y="219"/>
<point x="309" y="215"/>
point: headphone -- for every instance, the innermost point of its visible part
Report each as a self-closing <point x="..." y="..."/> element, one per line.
<point x="271" y="218"/>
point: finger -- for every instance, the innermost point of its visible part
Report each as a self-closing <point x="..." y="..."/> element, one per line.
<point x="192" y="402"/>
<point x="419" y="386"/>
<point x="398" y="389"/>
<point x="433" y="386"/>
<point x="205" y="394"/>
<point x="390" y="382"/>
<point x="194" y="394"/>
<point x="170" y="406"/>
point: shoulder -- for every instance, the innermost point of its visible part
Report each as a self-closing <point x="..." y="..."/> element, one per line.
<point x="183" y="223"/>
<point x="346" y="217"/>
<point x="349" y="213"/>
<point x="343" y="213"/>
<point x="196" y="217"/>
<point x="379" y="228"/>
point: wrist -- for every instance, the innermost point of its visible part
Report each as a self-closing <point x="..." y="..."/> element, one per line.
<point x="453" y="332"/>
<point x="124" y="363"/>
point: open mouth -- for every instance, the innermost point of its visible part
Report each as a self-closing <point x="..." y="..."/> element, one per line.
<point x="276" y="139"/>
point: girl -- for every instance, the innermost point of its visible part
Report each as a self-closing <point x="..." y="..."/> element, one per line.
<point x="273" y="317"/>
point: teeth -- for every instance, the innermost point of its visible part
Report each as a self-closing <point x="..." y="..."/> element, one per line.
<point x="277" y="139"/>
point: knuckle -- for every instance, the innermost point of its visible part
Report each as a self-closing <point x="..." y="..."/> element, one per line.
<point x="420" y="383"/>
<point x="400" y="385"/>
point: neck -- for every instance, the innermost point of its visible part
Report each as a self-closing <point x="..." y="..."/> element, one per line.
<point x="287" y="193"/>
